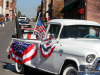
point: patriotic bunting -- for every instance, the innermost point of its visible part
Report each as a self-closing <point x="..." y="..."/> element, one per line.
<point x="22" y="52"/>
<point x="46" y="47"/>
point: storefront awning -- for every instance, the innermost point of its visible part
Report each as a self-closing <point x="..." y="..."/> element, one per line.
<point x="81" y="11"/>
<point x="69" y="7"/>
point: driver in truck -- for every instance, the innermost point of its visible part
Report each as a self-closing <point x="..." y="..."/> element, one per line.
<point x="92" y="32"/>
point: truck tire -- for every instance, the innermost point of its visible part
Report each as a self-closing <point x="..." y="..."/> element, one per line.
<point x="69" y="70"/>
<point x="19" y="68"/>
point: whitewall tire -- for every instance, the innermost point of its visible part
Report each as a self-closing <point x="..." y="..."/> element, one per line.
<point x="69" y="71"/>
<point x="19" y="68"/>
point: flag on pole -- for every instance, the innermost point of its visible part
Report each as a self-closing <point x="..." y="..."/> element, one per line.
<point x="22" y="52"/>
<point x="40" y="29"/>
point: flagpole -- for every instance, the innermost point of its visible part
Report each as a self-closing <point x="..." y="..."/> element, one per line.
<point x="37" y="19"/>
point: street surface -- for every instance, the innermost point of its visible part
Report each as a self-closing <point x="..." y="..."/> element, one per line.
<point x="7" y="66"/>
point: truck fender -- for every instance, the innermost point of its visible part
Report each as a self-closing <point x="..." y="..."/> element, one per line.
<point x="69" y="61"/>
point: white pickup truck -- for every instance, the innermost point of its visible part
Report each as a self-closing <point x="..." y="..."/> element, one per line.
<point x="77" y="49"/>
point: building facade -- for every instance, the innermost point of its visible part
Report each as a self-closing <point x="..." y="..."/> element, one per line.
<point x="93" y="10"/>
<point x="8" y="8"/>
<point x="51" y="9"/>
<point x="82" y="9"/>
<point x="56" y="8"/>
<point x="43" y="9"/>
<point x="74" y="9"/>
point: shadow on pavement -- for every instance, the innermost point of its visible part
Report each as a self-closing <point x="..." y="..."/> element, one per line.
<point x="8" y="66"/>
<point x="32" y="71"/>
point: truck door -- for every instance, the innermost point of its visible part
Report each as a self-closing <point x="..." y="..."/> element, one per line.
<point x="46" y="63"/>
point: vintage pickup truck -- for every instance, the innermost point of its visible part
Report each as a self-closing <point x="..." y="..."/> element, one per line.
<point x="76" y="52"/>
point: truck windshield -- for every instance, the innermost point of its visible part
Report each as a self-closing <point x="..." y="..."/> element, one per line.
<point x="80" y="31"/>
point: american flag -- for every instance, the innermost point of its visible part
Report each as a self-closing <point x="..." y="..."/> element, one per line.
<point x="22" y="52"/>
<point x="40" y="29"/>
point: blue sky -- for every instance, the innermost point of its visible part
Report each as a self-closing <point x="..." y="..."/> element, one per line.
<point x="28" y="7"/>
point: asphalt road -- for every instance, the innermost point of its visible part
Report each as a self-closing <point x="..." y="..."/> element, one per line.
<point x="7" y="66"/>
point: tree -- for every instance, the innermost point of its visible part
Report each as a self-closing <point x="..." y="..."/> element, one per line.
<point x="19" y="14"/>
<point x="39" y="8"/>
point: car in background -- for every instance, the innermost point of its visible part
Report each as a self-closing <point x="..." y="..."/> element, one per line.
<point x="26" y="26"/>
<point x="28" y="33"/>
<point x="23" y="23"/>
<point x="22" y="18"/>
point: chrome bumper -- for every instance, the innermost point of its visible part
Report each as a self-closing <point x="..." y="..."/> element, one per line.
<point x="90" y="69"/>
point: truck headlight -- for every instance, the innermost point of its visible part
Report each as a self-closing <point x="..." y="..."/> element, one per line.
<point x="90" y="58"/>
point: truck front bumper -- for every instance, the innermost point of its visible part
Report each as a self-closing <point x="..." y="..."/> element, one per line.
<point x="90" y="69"/>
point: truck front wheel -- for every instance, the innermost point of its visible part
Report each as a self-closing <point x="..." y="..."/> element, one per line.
<point x="19" y="68"/>
<point x="70" y="70"/>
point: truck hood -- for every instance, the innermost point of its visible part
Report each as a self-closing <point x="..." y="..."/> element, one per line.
<point x="86" y="45"/>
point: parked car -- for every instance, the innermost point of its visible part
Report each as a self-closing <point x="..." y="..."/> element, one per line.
<point x="23" y="23"/>
<point x="26" y="26"/>
<point x="22" y="18"/>
<point x="76" y="51"/>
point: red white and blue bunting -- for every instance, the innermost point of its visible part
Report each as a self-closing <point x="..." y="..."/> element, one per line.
<point x="22" y="52"/>
<point x="47" y="48"/>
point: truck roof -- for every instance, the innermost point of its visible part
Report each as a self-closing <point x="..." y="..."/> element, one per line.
<point x="69" y="22"/>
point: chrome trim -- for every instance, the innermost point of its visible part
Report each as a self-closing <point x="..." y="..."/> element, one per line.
<point x="91" y="69"/>
<point x="81" y="73"/>
<point x="95" y="63"/>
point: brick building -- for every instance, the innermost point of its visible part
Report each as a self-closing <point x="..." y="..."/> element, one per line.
<point x="51" y="9"/>
<point x="82" y="9"/>
<point x="56" y="8"/>
<point x="43" y="9"/>
<point x="93" y="10"/>
<point x="46" y="10"/>
<point x="8" y="8"/>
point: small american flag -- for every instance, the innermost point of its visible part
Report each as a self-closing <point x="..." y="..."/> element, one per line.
<point x="22" y="52"/>
<point x="40" y="29"/>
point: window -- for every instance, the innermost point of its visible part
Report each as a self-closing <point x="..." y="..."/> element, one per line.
<point x="80" y="31"/>
<point x="7" y="4"/>
<point x="54" y="29"/>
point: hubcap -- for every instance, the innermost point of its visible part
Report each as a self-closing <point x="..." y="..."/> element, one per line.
<point x="72" y="73"/>
<point x="19" y="66"/>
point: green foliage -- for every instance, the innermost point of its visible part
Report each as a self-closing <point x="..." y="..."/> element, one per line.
<point x="19" y="14"/>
